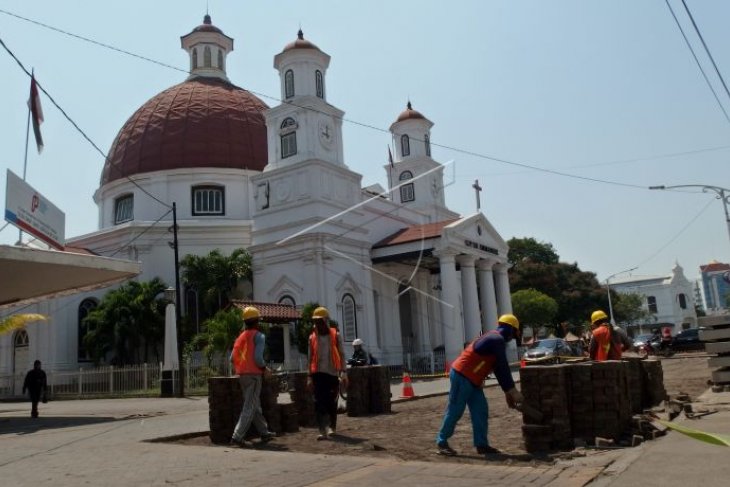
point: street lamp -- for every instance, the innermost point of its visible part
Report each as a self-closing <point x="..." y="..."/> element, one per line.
<point x="608" y="290"/>
<point x="722" y="194"/>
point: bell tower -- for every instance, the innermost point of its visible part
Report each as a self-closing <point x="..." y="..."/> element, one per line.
<point x="208" y="48"/>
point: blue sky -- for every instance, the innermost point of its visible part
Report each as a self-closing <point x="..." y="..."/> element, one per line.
<point x="603" y="90"/>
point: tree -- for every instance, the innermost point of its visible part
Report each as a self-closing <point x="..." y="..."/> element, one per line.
<point x="628" y="307"/>
<point x="521" y="249"/>
<point x="220" y="333"/>
<point x="129" y="320"/>
<point x="304" y="328"/>
<point x="17" y="321"/>
<point x="215" y="276"/>
<point x="534" y="308"/>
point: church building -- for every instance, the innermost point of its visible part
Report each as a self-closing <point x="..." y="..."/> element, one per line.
<point x="395" y="267"/>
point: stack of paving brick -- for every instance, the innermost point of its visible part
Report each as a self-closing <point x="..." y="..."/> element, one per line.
<point x="653" y="377"/>
<point x="581" y="400"/>
<point x="635" y="380"/>
<point x="303" y="400"/>
<point x="545" y="389"/>
<point x="611" y="405"/>
<point x="715" y="333"/>
<point x="368" y="391"/>
<point x="289" y="417"/>
<point x="220" y="409"/>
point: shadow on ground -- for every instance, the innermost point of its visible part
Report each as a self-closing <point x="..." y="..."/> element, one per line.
<point x="26" y="425"/>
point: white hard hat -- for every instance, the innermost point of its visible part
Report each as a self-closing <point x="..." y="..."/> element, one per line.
<point x="357" y="341"/>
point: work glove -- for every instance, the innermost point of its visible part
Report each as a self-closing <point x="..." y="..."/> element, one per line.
<point x="514" y="398"/>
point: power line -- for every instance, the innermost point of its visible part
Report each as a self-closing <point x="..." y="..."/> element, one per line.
<point x="350" y="121"/>
<point x="697" y="61"/>
<point x="141" y="233"/>
<point x="707" y="49"/>
<point x="78" y="129"/>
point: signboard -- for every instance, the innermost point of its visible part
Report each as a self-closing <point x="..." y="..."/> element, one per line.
<point x="31" y="212"/>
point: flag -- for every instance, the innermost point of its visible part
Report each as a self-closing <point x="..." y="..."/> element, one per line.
<point x="390" y="157"/>
<point x="36" y="112"/>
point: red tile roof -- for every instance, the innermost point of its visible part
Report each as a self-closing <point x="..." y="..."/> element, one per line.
<point x="415" y="233"/>
<point x="715" y="267"/>
<point x="271" y="312"/>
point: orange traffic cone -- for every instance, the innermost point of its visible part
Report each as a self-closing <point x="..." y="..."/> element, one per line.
<point x="407" y="387"/>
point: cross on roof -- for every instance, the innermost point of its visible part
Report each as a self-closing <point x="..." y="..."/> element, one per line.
<point x="477" y="190"/>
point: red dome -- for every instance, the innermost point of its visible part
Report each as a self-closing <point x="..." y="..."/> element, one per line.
<point x="410" y="114"/>
<point x="300" y="43"/>
<point x="202" y="122"/>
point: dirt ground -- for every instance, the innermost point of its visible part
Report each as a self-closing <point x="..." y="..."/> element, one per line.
<point x="409" y="432"/>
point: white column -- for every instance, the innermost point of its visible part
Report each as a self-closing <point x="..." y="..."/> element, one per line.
<point x="504" y="301"/>
<point x="472" y="323"/>
<point x="453" y="330"/>
<point x="487" y="298"/>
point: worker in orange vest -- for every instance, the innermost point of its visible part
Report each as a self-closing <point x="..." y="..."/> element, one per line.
<point x="604" y="344"/>
<point x="326" y="369"/>
<point x="248" y="362"/>
<point x="486" y="354"/>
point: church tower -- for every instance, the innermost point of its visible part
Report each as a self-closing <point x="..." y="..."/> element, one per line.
<point x="418" y="178"/>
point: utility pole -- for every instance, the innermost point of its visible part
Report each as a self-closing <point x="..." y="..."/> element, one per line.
<point x="178" y="297"/>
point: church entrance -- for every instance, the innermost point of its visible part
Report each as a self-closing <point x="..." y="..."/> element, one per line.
<point x="406" y="301"/>
<point x="21" y="351"/>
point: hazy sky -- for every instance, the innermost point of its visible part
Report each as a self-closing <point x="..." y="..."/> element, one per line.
<point x="603" y="90"/>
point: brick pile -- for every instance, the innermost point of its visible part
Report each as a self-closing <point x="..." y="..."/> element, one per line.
<point x="586" y="401"/>
<point x="368" y="391"/>
<point x="715" y="333"/>
<point x="303" y="400"/>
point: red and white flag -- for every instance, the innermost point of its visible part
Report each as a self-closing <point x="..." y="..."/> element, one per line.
<point x="36" y="112"/>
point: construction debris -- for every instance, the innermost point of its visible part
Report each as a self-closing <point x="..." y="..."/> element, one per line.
<point x="715" y="332"/>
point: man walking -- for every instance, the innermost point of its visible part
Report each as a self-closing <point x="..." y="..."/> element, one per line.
<point x="485" y="354"/>
<point x="607" y="342"/>
<point x="35" y="384"/>
<point x="326" y="368"/>
<point x="248" y="361"/>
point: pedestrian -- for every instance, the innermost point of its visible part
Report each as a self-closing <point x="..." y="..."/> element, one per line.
<point x="607" y="343"/>
<point x="359" y="356"/>
<point x="249" y="364"/>
<point x="326" y="369"/>
<point x="484" y="355"/>
<point x="36" y="385"/>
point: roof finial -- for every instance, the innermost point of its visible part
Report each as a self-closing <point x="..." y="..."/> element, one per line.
<point x="206" y="20"/>
<point x="300" y="34"/>
<point x="408" y="105"/>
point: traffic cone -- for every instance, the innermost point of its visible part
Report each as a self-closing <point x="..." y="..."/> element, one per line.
<point x="407" y="387"/>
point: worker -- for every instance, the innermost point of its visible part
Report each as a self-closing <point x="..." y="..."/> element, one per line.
<point x="359" y="356"/>
<point x="486" y="354"/>
<point x="605" y="344"/>
<point x="326" y="370"/>
<point x="248" y="362"/>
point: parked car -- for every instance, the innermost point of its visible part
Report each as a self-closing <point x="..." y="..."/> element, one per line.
<point x="642" y="340"/>
<point x="687" y="340"/>
<point x="548" y="351"/>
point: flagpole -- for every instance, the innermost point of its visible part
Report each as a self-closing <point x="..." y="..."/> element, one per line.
<point x="25" y="163"/>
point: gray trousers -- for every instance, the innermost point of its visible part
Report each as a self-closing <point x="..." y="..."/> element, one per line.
<point x="251" y="410"/>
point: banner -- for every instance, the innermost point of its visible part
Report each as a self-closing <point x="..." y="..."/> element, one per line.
<point x="31" y="212"/>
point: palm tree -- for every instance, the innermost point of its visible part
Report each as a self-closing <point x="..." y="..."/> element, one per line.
<point x="17" y="321"/>
<point x="215" y="276"/>
<point x="220" y="333"/>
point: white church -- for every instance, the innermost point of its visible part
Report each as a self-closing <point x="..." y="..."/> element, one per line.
<point x="396" y="267"/>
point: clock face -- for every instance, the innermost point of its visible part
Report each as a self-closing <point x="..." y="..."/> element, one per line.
<point x="326" y="134"/>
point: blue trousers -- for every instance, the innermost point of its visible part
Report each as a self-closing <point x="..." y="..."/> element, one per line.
<point x="463" y="393"/>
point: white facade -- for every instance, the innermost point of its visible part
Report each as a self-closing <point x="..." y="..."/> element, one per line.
<point x="314" y="233"/>
<point x="669" y="299"/>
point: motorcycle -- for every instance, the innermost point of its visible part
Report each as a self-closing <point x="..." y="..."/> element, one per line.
<point x="656" y="347"/>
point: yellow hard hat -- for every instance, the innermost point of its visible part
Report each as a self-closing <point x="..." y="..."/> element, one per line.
<point x="320" y="313"/>
<point x="511" y="320"/>
<point x="250" y="313"/>
<point x="597" y="316"/>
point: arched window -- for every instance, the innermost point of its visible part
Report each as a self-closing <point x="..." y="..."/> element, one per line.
<point x="406" y="190"/>
<point x="207" y="62"/>
<point x="220" y="59"/>
<point x="349" y="318"/>
<point x="319" y="81"/>
<point x="682" y="301"/>
<point x="288" y="300"/>
<point x="427" y="141"/>
<point x="208" y="200"/>
<point x="288" y="135"/>
<point x="405" y="145"/>
<point x="124" y="209"/>
<point x="289" y="84"/>
<point x="21" y="339"/>
<point x="195" y="58"/>
<point x="86" y="306"/>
